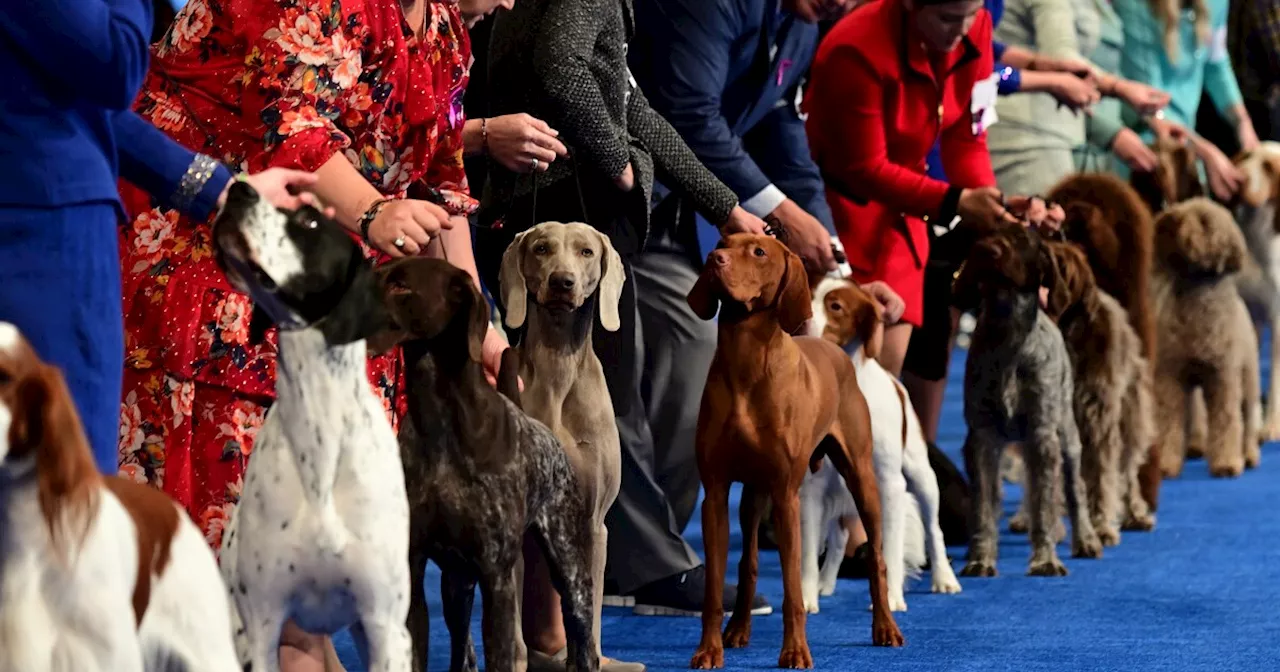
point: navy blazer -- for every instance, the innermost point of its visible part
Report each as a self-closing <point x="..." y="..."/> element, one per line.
<point x="711" y="68"/>
<point x="73" y="68"/>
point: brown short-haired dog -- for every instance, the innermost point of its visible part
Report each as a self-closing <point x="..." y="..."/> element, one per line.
<point x="773" y="407"/>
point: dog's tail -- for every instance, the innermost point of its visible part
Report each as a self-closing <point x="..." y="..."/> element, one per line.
<point x="913" y="553"/>
<point x="509" y="376"/>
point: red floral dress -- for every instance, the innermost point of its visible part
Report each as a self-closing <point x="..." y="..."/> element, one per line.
<point x="257" y="84"/>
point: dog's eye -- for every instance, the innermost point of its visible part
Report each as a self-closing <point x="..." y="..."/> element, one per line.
<point x="311" y="224"/>
<point x="759" y="251"/>
<point x="540" y="248"/>
<point x="835" y="307"/>
<point x="588" y="252"/>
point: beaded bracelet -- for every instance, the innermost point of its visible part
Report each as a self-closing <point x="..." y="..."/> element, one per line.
<point x="202" y="168"/>
<point x="371" y="214"/>
<point x="484" y="136"/>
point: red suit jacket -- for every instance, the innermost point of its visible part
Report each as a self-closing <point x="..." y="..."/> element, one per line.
<point x="875" y="107"/>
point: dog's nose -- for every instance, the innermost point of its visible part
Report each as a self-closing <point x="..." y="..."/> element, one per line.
<point x="719" y="258"/>
<point x="241" y="194"/>
<point x="561" y="282"/>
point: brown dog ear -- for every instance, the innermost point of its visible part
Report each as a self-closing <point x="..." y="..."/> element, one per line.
<point x="479" y="322"/>
<point x="612" y="277"/>
<point x="794" y="304"/>
<point x="702" y="298"/>
<point x="869" y="323"/>
<point x="511" y="277"/>
<point x="48" y="426"/>
<point x="1260" y="181"/>
<point x="1052" y="278"/>
<point x="1187" y="177"/>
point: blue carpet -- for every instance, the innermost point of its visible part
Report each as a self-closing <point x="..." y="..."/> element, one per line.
<point x="1198" y="593"/>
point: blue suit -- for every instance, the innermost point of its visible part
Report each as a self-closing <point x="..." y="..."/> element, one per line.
<point x="727" y="74"/>
<point x="66" y="133"/>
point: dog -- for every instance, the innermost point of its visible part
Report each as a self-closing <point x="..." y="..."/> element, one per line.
<point x="321" y="534"/>
<point x="96" y="573"/>
<point x="569" y="269"/>
<point x="773" y="407"/>
<point x="1207" y="339"/>
<point x="1175" y="179"/>
<point x="849" y="317"/>
<point x="480" y="473"/>
<point x="1110" y="222"/>
<point x="1018" y="388"/>
<point x="1256" y="215"/>
<point x="1112" y="393"/>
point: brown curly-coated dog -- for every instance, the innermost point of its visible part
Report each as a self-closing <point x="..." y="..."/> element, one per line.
<point x="1112" y="398"/>
<point x="1206" y="337"/>
<point x="1109" y="221"/>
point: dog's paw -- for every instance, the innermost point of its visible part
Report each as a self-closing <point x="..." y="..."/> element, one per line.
<point x="885" y="632"/>
<point x="810" y="605"/>
<point x="795" y="657"/>
<point x="1231" y="469"/>
<point x="1087" y="548"/>
<point x="946" y="585"/>
<point x="897" y="603"/>
<point x="1139" y="523"/>
<point x="1252" y="458"/>
<point x="737" y="634"/>
<point x="1271" y="431"/>
<point x="707" y="658"/>
<point x="1108" y="535"/>
<point x="1019" y="523"/>
<point x="827" y="589"/>
<point x="1051" y="567"/>
<point x="979" y="569"/>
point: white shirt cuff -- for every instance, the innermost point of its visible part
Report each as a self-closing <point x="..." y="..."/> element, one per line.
<point x="765" y="202"/>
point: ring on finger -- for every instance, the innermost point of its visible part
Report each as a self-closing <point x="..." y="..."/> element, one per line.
<point x="398" y="242"/>
<point x="534" y="163"/>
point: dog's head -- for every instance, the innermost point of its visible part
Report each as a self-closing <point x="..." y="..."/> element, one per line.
<point x="1073" y="280"/>
<point x="753" y="273"/>
<point x="562" y="265"/>
<point x="1175" y="179"/>
<point x="1002" y="266"/>
<point x="300" y="268"/>
<point x="1261" y="169"/>
<point x="435" y="301"/>
<point x="41" y="431"/>
<point x="1199" y="239"/>
<point x="848" y="316"/>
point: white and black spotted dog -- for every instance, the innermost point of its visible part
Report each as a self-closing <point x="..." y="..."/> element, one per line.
<point x="321" y="534"/>
<point x="846" y="315"/>
<point x="1018" y="387"/>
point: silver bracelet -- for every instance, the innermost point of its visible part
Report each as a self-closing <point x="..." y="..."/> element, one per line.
<point x="198" y="173"/>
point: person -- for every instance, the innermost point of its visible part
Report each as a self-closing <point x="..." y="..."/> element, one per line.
<point x="1181" y="47"/>
<point x="73" y="70"/>
<point x="1033" y="146"/>
<point x="890" y="78"/>
<point x="370" y="100"/>
<point x="1254" y="40"/>
<point x="563" y="61"/>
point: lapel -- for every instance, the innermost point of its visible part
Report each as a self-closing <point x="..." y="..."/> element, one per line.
<point x="628" y="19"/>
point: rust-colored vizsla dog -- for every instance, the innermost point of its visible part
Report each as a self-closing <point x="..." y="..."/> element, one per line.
<point x="773" y="407"/>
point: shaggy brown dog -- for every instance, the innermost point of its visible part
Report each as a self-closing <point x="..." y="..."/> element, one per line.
<point x="1176" y="178"/>
<point x="1110" y="222"/>
<point x="1112" y="399"/>
<point x="1206" y="337"/>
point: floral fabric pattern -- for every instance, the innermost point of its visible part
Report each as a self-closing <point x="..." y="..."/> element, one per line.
<point x="257" y="84"/>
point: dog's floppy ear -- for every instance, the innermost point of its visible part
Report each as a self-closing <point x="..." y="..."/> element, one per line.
<point x="794" y="303"/>
<point x="702" y="298"/>
<point x="48" y="426"/>
<point x="514" y="291"/>
<point x="1187" y="183"/>
<point x="259" y="323"/>
<point x="870" y="328"/>
<point x="612" y="277"/>
<point x="478" y="324"/>
<point x="1260" y="183"/>
<point x="361" y="312"/>
<point x="1052" y="277"/>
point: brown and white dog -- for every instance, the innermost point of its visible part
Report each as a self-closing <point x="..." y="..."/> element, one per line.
<point x="848" y="316"/>
<point x="1256" y="215"/>
<point x="96" y="573"/>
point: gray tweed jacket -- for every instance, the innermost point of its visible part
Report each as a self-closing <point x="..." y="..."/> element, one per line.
<point x="564" y="61"/>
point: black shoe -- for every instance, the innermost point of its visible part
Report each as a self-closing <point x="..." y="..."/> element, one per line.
<point x="682" y="595"/>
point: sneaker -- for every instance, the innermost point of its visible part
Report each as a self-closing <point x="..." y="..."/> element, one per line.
<point x="682" y="595"/>
<point x="614" y="597"/>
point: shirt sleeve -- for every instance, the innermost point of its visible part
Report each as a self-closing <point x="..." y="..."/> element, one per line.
<point x="1055" y="28"/>
<point x="1219" y="79"/>
<point x="564" y="44"/>
<point x="157" y="164"/>
<point x="309" y="41"/>
<point x="93" y="51"/>
<point x="847" y="114"/>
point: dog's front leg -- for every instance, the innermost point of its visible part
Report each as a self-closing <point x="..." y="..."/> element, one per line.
<point x="1137" y="432"/>
<point x="1225" y="448"/>
<point x="1043" y="455"/>
<point x="837" y="541"/>
<point x="715" y="541"/>
<point x="1251" y="389"/>
<point x="263" y="626"/>
<point x="1271" y="430"/>
<point x="981" y="460"/>
<point x="1171" y="400"/>
<point x="457" y="595"/>
<point x="786" y="525"/>
<point x="893" y="498"/>
<point x="922" y="483"/>
<point x="1084" y="542"/>
<point x="812" y="519"/>
<point x="500" y="620"/>
<point x="419" y="621"/>
<point x="738" y="633"/>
